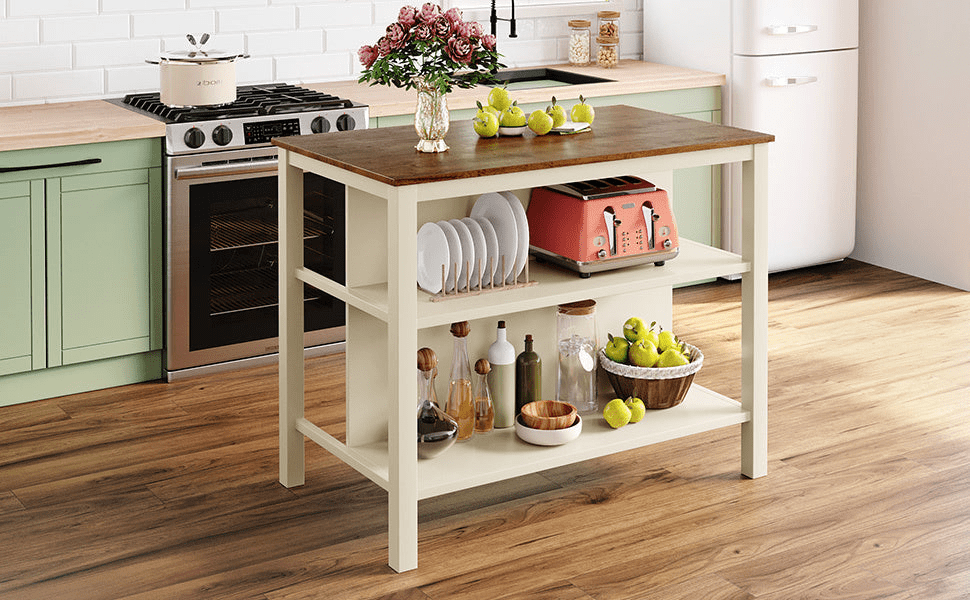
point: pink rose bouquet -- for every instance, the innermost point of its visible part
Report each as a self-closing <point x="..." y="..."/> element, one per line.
<point x="437" y="47"/>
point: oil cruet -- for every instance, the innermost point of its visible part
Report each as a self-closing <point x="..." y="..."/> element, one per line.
<point x="461" y="404"/>
<point x="436" y="430"/>
<point x="484" y="410"/>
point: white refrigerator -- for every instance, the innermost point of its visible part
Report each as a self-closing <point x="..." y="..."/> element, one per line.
<point x="792" y="70"/>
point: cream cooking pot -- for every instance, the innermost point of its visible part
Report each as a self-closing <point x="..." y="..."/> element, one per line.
<point x="197" y="77"/>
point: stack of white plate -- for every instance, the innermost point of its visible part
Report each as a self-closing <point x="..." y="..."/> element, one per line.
<point x="491" y="245"/>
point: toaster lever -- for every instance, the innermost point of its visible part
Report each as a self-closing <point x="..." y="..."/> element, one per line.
<point x="610" y="217"/>
<point x="648" y="222"/>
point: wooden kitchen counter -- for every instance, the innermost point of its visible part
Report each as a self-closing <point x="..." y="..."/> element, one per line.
<point x="69" y="123"/>
<point x="629" y="77"/>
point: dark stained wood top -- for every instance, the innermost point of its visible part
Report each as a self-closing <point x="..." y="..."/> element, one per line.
<point x="619" y="132"/>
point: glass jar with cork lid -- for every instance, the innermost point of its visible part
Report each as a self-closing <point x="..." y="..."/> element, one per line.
<point x="579" y="42"/>
<point x="609" y="23"/>
<point x="608" y="54"/>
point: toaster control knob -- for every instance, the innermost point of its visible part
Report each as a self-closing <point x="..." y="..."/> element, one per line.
<point x="667" y="244"/>
<point x="601" y="254"/>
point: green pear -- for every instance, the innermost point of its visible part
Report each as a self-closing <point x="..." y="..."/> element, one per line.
<point x="638" y="409"/>
<point x="539" y="122"/>
<point x="582" y="112"/>
<point x="617" y="349"/>
<point x="634" y="329"/>
<point x="499" y="98"/>
<point x="486" y="124"/>
<point x="671" y="357"/>
<point x="558" y="113"/>
<point x="643" y="353"/>
<point x="616" y="413"/>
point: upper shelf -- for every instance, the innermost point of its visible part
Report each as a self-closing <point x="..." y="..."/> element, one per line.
<point x="556" y="286"/>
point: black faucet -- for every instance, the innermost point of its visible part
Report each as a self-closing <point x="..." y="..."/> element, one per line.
<point x="494" y="19"/>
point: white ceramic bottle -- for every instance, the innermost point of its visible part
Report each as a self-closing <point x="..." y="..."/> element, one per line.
<point x="501" y="356"/>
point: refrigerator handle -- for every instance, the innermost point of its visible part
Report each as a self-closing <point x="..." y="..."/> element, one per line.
<point x="786" y="81"/>
<point x="789" y="29"/>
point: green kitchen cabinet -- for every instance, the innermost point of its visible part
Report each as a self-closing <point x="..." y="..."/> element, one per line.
<point x="696" y="193"/>
<point x="80" y="236"/>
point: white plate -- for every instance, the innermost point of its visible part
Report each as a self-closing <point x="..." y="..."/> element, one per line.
<point x="481" y="250"/>
<point x="522" y="230"/>
<point x="432" y="255"/>
<point x="510" y="131"/>
<point x="491" y="245"/>
<point x="454" y="254"/>
<point x="467" y="252"/>
<point x="497" y="209"/>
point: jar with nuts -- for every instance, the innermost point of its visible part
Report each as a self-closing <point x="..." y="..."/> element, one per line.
<point x="579" y="42"/>
<point x="609" y="54"/>
<point x="609" y="23"/>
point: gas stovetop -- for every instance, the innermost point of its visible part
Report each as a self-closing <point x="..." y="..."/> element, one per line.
<point x="260" y="113"/>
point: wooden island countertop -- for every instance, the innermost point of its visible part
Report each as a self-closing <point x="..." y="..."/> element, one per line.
<point x="619" y="132"/>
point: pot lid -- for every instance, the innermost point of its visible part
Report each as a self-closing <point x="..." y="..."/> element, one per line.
<point x="201" y="56"/>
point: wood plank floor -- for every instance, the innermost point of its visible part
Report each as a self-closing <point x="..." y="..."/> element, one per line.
<point x="169" y="490"/>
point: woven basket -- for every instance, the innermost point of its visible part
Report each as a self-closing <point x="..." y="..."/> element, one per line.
<point x="657" y="387"/>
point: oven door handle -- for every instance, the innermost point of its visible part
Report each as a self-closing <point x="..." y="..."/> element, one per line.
<point x="239" y="168"/>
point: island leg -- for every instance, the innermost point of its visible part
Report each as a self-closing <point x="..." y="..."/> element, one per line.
<point x="291" y="321"/>
<point x="402" y="443"/>
<point x="754" y="314"/>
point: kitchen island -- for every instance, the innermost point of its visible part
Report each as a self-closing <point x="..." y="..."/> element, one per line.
<point x="389" y="186"/>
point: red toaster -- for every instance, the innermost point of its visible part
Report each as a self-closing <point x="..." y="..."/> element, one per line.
<point x="602" y="224"/>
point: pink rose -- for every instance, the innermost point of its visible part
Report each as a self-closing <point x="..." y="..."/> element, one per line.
<point x="407" y="17"/>
<point x="422" y="32"/>
<point x="441" y="27"/>
<point x="367" y="55"/>
<point x="384" y="46"/>
<point x="460" y="50"/>
<point x="453" y="15"/>
<point x="488" y="42"/>
<point x="396" y="35"/>
<point x="429" y="12"/>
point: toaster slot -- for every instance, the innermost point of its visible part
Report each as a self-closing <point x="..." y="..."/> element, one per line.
<point x="648" y="219"/>
<point x="609" y="215"/>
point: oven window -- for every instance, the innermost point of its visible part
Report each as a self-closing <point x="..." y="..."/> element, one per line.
<point x="233" y="281"/>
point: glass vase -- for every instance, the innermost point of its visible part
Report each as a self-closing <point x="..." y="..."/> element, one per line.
<point x="430" y="117"/>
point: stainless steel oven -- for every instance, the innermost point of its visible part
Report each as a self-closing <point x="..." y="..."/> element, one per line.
<point x="221" y="225"/>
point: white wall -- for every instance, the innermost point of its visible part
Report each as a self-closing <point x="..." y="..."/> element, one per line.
<point x="913" y="210"/>
<point x="57" y="50"/>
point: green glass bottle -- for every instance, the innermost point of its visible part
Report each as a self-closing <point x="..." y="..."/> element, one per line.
<point x="528" y="376"/>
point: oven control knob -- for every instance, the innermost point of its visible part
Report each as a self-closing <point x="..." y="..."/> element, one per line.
<point x="345" y="123"/>
<point x="194" y="138"/>
<point x="222" y="135"/>
<point x="319" y="125"/>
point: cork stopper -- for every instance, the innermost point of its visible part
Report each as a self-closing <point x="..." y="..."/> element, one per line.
<point x="460" y="329"/>
<point x="501" y="324"/>
<point x="427" y="360"/>
<point x="608" y="40"/>
<point x="482" y="366"/>
<point x="579" y="23"/>
<point x="582" y="307"/>
<point x="608" y="14"/>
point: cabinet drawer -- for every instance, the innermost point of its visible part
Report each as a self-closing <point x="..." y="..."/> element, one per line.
<point x="764" y="27"/>
<point x="83" y="159"/>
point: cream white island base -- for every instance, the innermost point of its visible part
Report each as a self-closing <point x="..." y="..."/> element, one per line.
<point x="387" y="183"/>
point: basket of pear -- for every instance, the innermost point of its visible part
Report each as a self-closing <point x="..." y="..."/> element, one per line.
<point x="650" y="363"/>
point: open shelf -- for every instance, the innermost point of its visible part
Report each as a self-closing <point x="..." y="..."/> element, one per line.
<point x="556" y="286"/>
<point x="500" y="454"/>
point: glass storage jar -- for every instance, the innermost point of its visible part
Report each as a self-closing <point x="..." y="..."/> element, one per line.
<point x="576" y="336"/>
<point x="609" y="23"/>
<point x="579" y="42"/>
<point x="609" y="52"/>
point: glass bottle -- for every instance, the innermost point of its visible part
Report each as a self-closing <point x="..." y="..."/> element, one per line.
<point x="461" y="405"/>
<point x="501" y="359"/>
<point x="436" y="430"/>
<point x="528" y="376"/>
<point x="579" y="42"/>
<point x="576" y="329"/>
<point x="484" y="412"/>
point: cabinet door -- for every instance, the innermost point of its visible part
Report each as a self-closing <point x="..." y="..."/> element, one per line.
<point x="99" y="265"/>
<point x="22" y="274"/>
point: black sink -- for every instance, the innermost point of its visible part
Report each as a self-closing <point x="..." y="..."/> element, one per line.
<point x="541" y="77"/>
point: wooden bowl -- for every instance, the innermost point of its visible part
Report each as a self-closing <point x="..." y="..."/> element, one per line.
<point x="548" y="414"/>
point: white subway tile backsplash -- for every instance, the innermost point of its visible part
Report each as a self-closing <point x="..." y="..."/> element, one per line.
<point x="58" y="84"/>
<point x="228" y="42"/>
<point x="140" y="5"/>
<point x="254" y="70"/>
<point x="225" y="3"/>
<point x="110" y="54"/>
<point x="286" y="42"/>
<point x="258" y="19"/>
<point x="302" y="69"/>
<point x="45" y="8"/>
<point x="352" y="38"/>
<point x="19" y="31"/>
<point x="35" y="58"/>
<point x="126" y="80"/>
<point x="172" y="23"/>
<point x="5" y="88"/>
<point x="344" y="14"/>
<point x="73" y="29"/>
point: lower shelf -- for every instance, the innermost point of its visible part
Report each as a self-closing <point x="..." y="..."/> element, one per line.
<point x="500" y="455"/>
